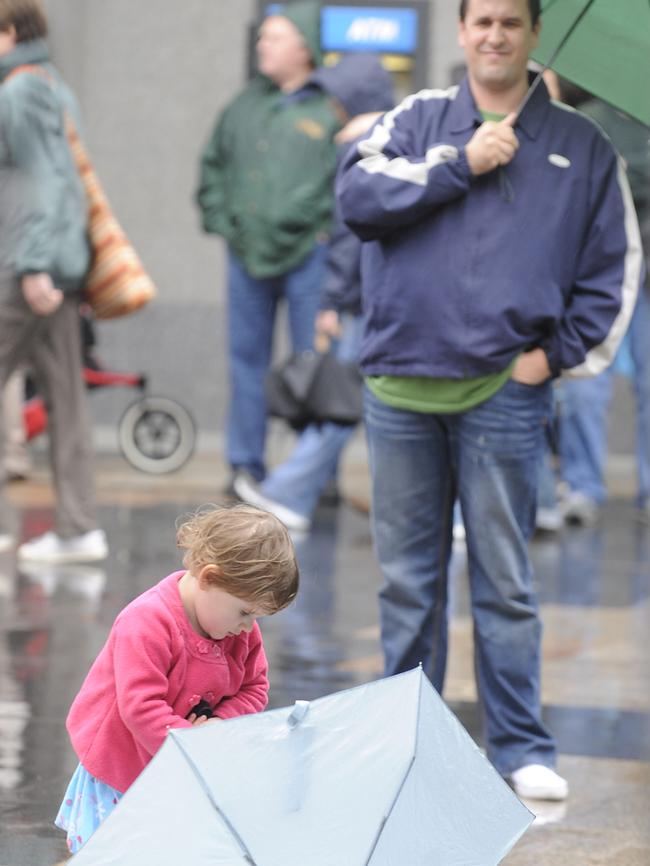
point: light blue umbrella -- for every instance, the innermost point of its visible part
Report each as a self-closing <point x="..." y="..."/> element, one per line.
<point x="382" y="775"/>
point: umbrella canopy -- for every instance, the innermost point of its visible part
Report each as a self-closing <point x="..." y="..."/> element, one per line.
<point x="608" y="54"/>
<point x="378" y="775"/>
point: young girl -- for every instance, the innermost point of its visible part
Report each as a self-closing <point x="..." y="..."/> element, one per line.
<point x="185" y="651"/>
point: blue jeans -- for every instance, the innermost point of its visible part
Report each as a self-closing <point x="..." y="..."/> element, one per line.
<point x="252" y="306"/>
<point x="300" y="480"/>
<point x="489" y="458"/>
<point x="583" y="422"/>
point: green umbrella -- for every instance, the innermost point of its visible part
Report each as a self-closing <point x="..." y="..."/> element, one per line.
<point x="607" y="52"/>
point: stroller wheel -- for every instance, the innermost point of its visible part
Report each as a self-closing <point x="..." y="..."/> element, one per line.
<point x="156" y="435"/>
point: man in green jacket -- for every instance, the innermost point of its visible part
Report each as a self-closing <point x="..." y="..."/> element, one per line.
<point x="44" y="257"/>
<point x="266" y="187"/>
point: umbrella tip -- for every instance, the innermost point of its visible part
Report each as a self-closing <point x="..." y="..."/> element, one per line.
<point x="298" y="713"/>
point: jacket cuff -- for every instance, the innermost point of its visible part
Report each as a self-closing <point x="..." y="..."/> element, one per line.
<point x="551" y="347"/>
<point x="463" y="164"/>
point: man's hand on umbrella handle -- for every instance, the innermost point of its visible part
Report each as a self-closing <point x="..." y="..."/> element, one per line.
<point x="41" y="294"/>
<point x="493" y="144"/>
<point x="531" y="368"/>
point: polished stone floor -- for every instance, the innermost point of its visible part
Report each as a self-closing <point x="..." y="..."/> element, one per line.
<point x="594" y="586"/>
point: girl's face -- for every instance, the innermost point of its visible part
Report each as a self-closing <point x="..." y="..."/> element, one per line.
<point x="219" y="614"/>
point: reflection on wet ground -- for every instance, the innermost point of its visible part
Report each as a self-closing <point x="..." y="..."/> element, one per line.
<point x="594" y="586"/>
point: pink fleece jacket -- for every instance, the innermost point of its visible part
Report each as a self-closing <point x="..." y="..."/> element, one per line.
<point x="150" y="673"/>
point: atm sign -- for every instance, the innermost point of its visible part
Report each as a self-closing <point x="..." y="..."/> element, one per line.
<point x="365" y="28"/>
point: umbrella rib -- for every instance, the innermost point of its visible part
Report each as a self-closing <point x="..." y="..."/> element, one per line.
<point x="533" y="87"/>
<point x="406" y="775"/>
<point x="247" y="854"/>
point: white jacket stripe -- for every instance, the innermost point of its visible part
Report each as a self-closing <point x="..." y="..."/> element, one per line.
<point x="374" y="161"/>
<point x="601" y="356"/>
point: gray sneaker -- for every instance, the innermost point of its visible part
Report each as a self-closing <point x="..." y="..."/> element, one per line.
<point x="643" y="512"/>
<point x="578" y="509"/>
<point x="548" y="519"/>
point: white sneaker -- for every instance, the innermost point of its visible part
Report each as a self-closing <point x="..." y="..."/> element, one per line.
<point x="51" y="548"/>
<point x="537" y="782"/>
<point x="7" y="541"/>
<point x="249" y="492"/>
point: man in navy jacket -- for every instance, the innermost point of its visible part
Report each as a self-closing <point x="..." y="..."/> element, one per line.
<point x="502" y="250"/>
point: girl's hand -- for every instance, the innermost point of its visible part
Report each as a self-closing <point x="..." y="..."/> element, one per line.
<point x="200" y="720"/>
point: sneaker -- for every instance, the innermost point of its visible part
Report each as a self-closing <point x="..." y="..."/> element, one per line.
<point x="578" y="509"/>
<point x="643" y="512"/>
<point x="331" y="496"/>
<point x="7" y="541"/>
<point x="78" y="577"/>
<point x="51" y="548"/>
<point x="248" y="491"/>
<point x="548" y="519"/>
<point x="537" y="782"/>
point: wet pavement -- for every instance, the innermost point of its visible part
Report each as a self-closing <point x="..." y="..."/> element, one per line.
<point x="594" y="586"/>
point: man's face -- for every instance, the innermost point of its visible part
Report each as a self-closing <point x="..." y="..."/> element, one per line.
<point x="497" y="37"/>
<point x="281" y="51"/>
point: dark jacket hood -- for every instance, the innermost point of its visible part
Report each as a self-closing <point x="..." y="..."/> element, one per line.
<point x="359" y="82"/>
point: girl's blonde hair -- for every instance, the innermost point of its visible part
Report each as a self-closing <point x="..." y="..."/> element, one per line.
<point x="251" y="549"/>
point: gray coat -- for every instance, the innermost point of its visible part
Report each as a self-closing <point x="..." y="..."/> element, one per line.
<point x="43" y="217"/>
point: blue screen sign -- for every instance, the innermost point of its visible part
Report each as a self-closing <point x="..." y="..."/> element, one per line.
<point x="366" y="28"/>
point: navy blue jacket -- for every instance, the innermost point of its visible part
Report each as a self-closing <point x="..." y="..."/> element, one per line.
<point x="361" y="85"/>
<point x="461" y="273"/>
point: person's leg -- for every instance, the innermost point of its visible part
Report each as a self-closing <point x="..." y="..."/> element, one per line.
<point x="413" y="493"/>
<point x="16" y="456"/>
<point x="251" y="317"/>
<point x="58" y="368"/>
<point x="299" y="481"/>
<point x="583" y="434"/>
<point x="18" y="328"/>
<point x="498" y="446"/>
<point x="302" y="289"/>
<point x="548" y="516"/>
<point x="639" y="336"/>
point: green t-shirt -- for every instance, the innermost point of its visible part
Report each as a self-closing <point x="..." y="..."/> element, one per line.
<point x="439" y="396"/>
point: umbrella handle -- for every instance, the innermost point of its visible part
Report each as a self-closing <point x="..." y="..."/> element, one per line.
<point x="533" y="87"/>
<point x="298" y="713"/>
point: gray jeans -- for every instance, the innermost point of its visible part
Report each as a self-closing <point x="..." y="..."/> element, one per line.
<point x="51" y="348"/>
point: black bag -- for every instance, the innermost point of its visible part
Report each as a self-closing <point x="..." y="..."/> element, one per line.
<point x="312" y="387"/>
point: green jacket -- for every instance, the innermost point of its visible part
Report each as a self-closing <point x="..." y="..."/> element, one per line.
<point x="43" y="218"/>
<point x="267" y="176"/>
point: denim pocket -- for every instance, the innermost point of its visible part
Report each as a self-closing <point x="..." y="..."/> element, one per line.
<point x="512" y="421"/>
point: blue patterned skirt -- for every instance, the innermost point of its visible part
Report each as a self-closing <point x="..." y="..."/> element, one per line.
<point x="87" y="802"/>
